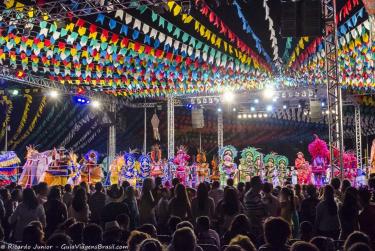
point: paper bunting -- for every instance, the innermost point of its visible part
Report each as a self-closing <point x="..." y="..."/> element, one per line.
<point x="272" y="31"/>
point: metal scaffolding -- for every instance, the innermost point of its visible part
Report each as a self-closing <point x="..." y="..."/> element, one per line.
<point x="62" y="9"/>
<point x="358" y="135"/>
<point x="112" y="136"/>
<point x="334" y="94"/>
<point x="170" y="121"/>
<point x="220" y="129"/>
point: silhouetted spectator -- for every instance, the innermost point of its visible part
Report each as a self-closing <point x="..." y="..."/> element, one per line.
<point x="276" y="233"/>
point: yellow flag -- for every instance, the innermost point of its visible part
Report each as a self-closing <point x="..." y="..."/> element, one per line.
<point x="82" y="31"/>
<point x="170" y="5"/>
<point x="177" y="9"/>
<point x="9" y="3"/>
<point x="197" y="25"/>
<point x="69" y="27"/>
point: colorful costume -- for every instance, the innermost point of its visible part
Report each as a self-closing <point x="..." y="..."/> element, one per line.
<point x="34" y="170"/>
<point x="272" y="170"/>
<point x="145" y="166"/>
<point x="303" y="169"/>
<point x="59" y="170"/>
<point x="91" y="171"/>
<point x="282" y="164"/>
<point x="181" y="161"/>
<point x="8" y="167"/>
<point x="129" y="170"/>
<point x="372" y="158"/>
<point x="156" y="161"/>
<point x="215" y="173"/>
<point x="249" y="165"/>
<point x="227" y="167"/>
<point x="115" y="168"/>
<point x="318" y="149"/>
<point x="202" y="167"/>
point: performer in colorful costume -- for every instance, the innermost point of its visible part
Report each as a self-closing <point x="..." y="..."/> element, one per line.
<point x="34" y="170"/>
<point x="282" y="164"/>
<point x="248" y="167"/>
<point x="372" y="158"/>
<point x="303" y="169"/>
<point x="129" y="170"/>
<point x="144" y="167"/>
<point x="202" y="167"/>
<point x="181" y="161"/>
<point x="227" y="167"/>
<point x="156" y="162"/>
<point x="272" y="170"/>
<point x="215" y="173"/>
<point x="115" y="168"/>
<point x="318" y="149"/>
<point x="8" y="167"/>
<point x="91" y="171"/>
<point x="59" y="170"/>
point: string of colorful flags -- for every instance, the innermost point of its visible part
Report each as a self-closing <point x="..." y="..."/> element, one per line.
<point x="22" y="122"/>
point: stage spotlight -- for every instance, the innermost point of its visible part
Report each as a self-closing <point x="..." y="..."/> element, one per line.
<point x="274" y="99"/>
<point x="228" y="97"/>
<point x="14" y="92"/>
<point x="53" y="94"/>
<point x="299" y="106"/>
<point x="265" y="115"/>
<point x="239" y="116"/>
<point x="245" y="116"/>
<point x="256" y="101"/>
<point x="255" y="116"/>
<point x="219" y="109"/>
<point x="234" y="109"/>
<point x="250" y="116"/>
<point x="284" y="107"/>
<point x="269" y="92"/>
<point x="269" y="108"/>
<point x="95" y="104"/>
<point x="323" y="104"/>
<point x="260" y="115"/>
<point x="252" y="109"/>
<point x="327" y="112"/>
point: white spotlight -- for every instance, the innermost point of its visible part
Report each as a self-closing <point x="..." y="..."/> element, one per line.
<point x="95" y="104"/>
<point x="274" y="99"/>
<point x="252" y="109"/>
<point x="234" y="109"/>
<point x="284" y="107"/>
<point x="260" y="115"/>
<point x="323" y="104"/>
<point x="265" y="115"/>
<point x="250" y="116"/>
<point x="255" y="116"/>
<point x="256" y="101"/>
<point x="269" y="92"/>
<point x="245" y="116"/>
<point x="53" y="94"/>
<point x="219" y="109"/>
<point x="239" y="116"/>
<point x="228" y="97"/>
<point x="269" y="108"/>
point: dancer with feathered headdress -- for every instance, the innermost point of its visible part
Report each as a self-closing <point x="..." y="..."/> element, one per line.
<point x="181" y="161"/>
<point x="272" y="170"/>
<point x="248" y="163"/>
<point x="318" y="149"/>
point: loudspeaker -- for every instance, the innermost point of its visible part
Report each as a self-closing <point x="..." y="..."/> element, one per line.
<point x="315" y="111"/>
<point x="197" y="118"/>
<point x="301" y="18"/>
<point x="311" y="16"/>
<point x="289" y="16"/>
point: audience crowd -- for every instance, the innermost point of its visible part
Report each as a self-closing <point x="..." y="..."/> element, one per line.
<point x="245" y="217"/>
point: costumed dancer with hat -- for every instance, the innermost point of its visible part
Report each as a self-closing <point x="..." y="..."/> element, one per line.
<point x="227" y="167"/>
<point x="129" y="171"/>
<point x="302" y="167"/>
<point x="91" y="172"/>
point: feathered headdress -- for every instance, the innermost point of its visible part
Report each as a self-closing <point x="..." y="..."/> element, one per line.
<point x="318" y="148"/>
<point x="250" y="151"/>
<point x="350" y="160"/>
<point x="227" y="148"/>
<point x="270" y="157"/>
<point x="282" y="159"/>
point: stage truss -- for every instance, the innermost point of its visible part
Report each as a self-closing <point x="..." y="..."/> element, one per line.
<point x="334" y="94"/>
